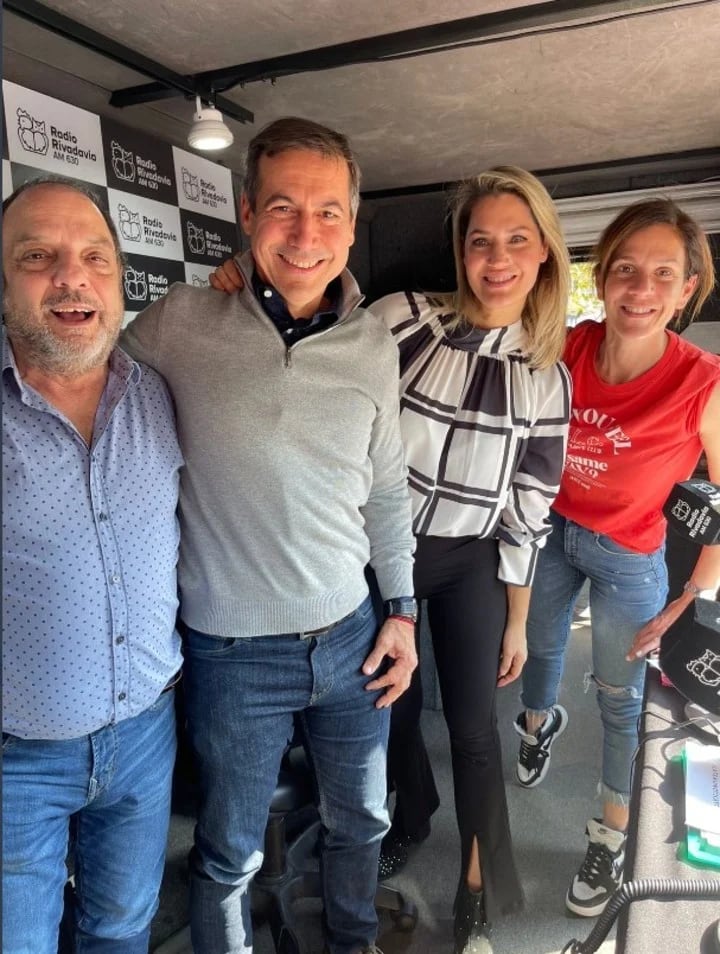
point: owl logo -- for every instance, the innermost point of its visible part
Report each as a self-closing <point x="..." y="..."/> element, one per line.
<point x="135" y="284"/>
<point x="123" y="162"/>
<point x="129" y="224"/>
<point x="681" y="510"/>
<point x="199" y="282"/>
<point x="706" y="668"/>
<point x="196" y="239"/>
<point x="31" y="133"/>
<point x="190" y="185"/>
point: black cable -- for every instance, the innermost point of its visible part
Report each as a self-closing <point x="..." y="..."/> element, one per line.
<point x="656" y="889"/>
<point x="670" y="722"/>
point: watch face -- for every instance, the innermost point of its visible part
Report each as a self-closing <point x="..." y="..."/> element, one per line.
<point x="405" y="606"/>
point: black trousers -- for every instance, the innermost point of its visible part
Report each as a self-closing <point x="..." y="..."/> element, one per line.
<point x="467" y="611"/>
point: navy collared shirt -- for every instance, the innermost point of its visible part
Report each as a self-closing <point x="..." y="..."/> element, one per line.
<point x="294" y="329"/>
<point x="90" y="544"/>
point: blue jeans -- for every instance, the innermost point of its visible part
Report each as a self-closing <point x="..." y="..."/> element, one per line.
<point x="241" y="696"/>
<point x="118" y="781"/>
<point x="626" y="590"/>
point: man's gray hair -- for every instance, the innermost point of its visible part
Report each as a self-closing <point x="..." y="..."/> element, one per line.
<point x="292" y="132"/>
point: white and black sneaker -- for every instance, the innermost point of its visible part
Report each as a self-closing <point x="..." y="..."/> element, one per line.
<point x="534" y="756"/>
<point x="600" y="873"/>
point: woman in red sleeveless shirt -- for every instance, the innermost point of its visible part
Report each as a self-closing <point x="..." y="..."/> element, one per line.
<point x="645" y="404"/>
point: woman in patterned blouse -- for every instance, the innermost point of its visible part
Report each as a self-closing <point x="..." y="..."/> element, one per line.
<point x="485" y="403"/>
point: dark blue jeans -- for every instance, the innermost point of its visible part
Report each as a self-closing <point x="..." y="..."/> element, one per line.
<point x="118" y="781"/>
<point x="241" y="697"/>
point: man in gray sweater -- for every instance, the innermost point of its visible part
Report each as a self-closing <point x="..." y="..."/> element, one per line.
<point x="287" y="408"/>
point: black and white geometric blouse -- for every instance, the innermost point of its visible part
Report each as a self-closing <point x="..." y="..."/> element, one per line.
<point x="484" y="434"/>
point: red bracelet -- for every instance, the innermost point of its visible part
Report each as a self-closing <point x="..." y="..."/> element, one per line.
<point x="403" y="619"/>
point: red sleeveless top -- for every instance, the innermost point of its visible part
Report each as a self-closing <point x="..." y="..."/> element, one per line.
<point x="629" y="443"/>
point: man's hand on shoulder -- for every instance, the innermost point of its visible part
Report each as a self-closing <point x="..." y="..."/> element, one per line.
<point x="396" y="641"/>
<point x="227" y="277"/>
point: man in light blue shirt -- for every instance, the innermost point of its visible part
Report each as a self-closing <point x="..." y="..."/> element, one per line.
<point x="90" y="540"/>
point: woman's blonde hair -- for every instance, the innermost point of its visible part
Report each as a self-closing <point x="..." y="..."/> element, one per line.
<point x="545" y="312"/>
<point x="642" y="215"/>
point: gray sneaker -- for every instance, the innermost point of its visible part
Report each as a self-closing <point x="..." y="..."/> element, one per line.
<point x="600" y="873"/>
<point x="534" y="756"/>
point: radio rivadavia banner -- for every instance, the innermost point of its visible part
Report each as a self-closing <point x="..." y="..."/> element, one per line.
<point x="175" y="212"/>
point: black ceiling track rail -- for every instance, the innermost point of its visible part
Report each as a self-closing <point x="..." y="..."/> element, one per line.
<point x="175" y="83"/>
<point x="565" y="181"/>
<point x="547" y="17"/>
<point x="470" y="31"/>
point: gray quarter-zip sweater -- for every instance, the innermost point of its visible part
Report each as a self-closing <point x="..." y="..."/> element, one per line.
<point x="294" y="475"/>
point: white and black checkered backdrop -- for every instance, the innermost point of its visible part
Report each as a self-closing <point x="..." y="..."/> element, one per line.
<point x="175" y="212"/>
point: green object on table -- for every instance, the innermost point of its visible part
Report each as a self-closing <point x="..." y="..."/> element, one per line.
<point x="700" y="849"/>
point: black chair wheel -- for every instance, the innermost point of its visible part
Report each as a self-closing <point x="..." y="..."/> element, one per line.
<point x="405" y="919"/>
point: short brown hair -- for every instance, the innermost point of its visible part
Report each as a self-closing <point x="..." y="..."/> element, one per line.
<point x="545" y="313"/>
<point x="642" y="215"/>
<point x="292" y="132"/>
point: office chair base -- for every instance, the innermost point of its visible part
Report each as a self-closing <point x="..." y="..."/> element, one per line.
<point x="403" y="913"/>
<point x="295" y="875"/>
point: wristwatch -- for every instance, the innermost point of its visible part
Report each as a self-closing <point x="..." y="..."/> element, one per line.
<point x="695" y="590"/>
<point x="405" y="606"/>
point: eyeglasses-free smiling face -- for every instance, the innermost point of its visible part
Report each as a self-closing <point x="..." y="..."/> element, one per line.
<point x="301" y="228"/>
<point x="63" y="302"/>
<point x="646" y="282"/>
<point x="502" y="256"/>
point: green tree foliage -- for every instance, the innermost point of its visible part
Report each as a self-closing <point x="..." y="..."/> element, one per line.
<point x="583" y="303"/>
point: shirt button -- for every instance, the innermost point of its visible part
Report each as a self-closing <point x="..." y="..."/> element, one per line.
<point x="119" y="640"/>
<point x="102" y="516"/>
<point x="115" y="578"/>
<point x="267" y="293"/>
<point x="121" y="696"/>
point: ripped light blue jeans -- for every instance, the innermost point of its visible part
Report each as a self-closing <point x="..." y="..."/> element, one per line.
<point x="626" y="590"/>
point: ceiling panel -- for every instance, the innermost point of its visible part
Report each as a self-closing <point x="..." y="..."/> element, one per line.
<point x="190" y="37"/>
<point x="628" y="88"/>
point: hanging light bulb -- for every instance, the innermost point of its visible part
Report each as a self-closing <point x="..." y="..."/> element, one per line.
<point x="208" y="131"/>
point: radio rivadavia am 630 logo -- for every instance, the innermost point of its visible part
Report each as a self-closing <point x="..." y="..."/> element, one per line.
<point x="190" y="184"/>
<point x="136" y="287"/>
<point x="31" y="133"/>
<point x="35" y="137"/>
<point x="123" y="162"/>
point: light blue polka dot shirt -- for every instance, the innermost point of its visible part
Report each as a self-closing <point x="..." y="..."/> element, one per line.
<point x="90" y="544"/>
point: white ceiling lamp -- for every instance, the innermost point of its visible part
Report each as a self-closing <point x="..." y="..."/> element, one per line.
<point x="208" y="131"/>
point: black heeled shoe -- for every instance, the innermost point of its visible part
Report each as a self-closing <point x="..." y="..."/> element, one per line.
<point x="472" y="931"/>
